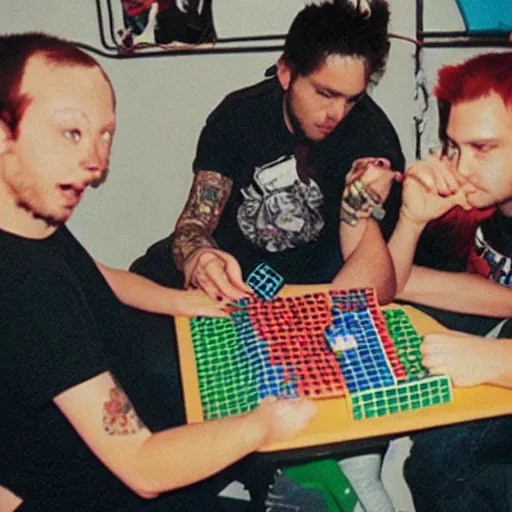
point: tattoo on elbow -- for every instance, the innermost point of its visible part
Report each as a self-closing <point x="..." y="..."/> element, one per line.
<point x="119" y="416"/>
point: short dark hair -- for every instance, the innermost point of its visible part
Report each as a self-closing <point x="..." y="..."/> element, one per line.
<point x="15" y="51"/>
<point x="338" y="27"/>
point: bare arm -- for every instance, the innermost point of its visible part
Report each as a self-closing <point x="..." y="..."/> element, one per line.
<point x="141" y="293"/>
<point x="369" y="265"/>
<point x="350" y="237"/>
<point x="8" y="500"/>
<point x="429" y="191"/>
<point x="150" y="463"/>
<point x="402" y="247"/>
<point x="193" y="247"/>
<point x="459" y="292"/>
<point x="469" y="360"/>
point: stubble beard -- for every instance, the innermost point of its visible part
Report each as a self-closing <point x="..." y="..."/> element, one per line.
<point x="296" y="124"/>
<point x="32" y="201"/>
<point x="294" y="120"/>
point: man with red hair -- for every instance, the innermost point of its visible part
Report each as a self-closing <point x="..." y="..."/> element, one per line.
<point x="465" y="467"/>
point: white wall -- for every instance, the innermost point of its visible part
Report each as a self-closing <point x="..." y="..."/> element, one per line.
<point x="163" y="102"/>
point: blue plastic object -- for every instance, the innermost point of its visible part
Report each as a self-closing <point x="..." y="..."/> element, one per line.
<point x="265" y="281"/>
<point x="486" y="16"/>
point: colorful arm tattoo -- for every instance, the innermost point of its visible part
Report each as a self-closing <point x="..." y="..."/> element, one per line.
<point x="119" y="416"/>
<point x="201" y="215"/>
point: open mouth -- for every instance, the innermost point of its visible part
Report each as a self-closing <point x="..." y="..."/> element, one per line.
<point x="70" y="193"/>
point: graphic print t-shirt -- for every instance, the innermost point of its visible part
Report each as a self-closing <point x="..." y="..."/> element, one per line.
<point x="491" y="255"/>
<point x="283" y="208"/>
<point x="280" y="211"/>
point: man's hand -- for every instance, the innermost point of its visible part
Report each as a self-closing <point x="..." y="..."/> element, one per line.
<point x="431" y="189"/>
<point x="367" y="186"/>
<point x="376" y="175"/>
<point x="468" y="360"/>
<point x="284" y="418"/>
<point x="217" y="273"/>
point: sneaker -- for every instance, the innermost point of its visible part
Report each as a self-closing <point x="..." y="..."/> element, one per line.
<point x="287" y="496"/>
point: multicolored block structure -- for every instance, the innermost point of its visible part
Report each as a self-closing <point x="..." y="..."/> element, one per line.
<point x="338" y="343"/>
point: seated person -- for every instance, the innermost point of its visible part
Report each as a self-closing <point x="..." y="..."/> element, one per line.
<point x="271" y="163"/>
<point x="70" y="438"/>
<point x="270" y="169"/>
<point x="465" y="467"/>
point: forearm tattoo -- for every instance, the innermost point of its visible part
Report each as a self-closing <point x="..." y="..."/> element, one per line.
<point x="201" y="215"/>
<point x="186" y="240"/>
<point x="119" y="416"/>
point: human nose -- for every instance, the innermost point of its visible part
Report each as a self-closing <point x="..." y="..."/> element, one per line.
<point x="95" y="158"/>
<point x="463" y="165"/>
<point x="337" y="109"/>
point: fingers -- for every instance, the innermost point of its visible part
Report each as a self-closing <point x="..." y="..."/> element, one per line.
<point x="286" y="417"/>
<point x="431" y="189"/>
<point x="225" y="276"/>
<point x="212" y="309"/>
<point x="462" y="198"/>
<point x="234" y="273"/>
<point x="438" y="363"/>
<point x="376" y="175"/>
<point x="442" y="341"/>
<point x="203" y="305"/>
<point x="361" y="164"/>
<point x="201" y="277"/>
<point x="435" y="176"/>
<point x="219" y="275"/>
<point x="440" y="352"/>
<point x="301" y="410"/>
<point x="193" y="303"/>
<point x="468" y="360"/>
<point x="367" y="186"/>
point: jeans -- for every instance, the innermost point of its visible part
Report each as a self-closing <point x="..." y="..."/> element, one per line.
<point x="466" y="467"/>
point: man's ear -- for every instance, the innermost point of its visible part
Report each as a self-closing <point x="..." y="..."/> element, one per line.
<point x="284" y="74"/>
<point x="5" y="137"/>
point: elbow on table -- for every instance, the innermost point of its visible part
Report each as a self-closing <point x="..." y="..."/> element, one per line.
<point x="387" y="290"/>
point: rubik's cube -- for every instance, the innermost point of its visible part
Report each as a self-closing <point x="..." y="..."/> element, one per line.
<point x="265" y="281"/>
<point x="318" y="345"/>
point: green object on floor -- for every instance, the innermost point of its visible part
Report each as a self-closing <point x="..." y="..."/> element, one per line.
<point x="325" y="476"/>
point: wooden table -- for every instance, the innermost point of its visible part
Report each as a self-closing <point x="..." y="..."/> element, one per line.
<point x="332" y="426"/>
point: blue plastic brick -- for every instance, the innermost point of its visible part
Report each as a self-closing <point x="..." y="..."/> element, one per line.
<point x="265" y="281"/>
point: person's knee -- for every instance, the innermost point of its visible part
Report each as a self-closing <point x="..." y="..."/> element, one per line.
<point x="426" y="466"/>
<point x="446" y="456"/>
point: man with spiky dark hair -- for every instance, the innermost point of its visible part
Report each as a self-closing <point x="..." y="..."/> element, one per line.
<point x="271" y="166"/>
<point x="272" y="159"/>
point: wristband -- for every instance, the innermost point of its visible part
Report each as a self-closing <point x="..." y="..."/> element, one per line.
<point x="357" y="203"/>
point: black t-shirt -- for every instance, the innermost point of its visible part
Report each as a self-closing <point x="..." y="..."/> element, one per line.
<point x="272" y="214"/>
<point x="60" y="325"/>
